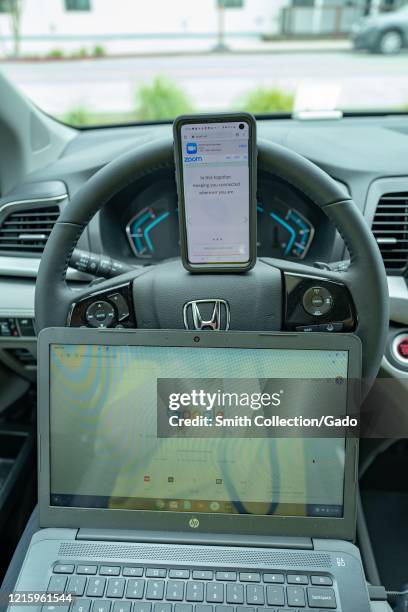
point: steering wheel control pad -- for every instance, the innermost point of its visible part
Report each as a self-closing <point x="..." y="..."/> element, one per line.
<point x="163" y="293"/>
<point x="104" y="308"/>
<point x="317" y="304"/>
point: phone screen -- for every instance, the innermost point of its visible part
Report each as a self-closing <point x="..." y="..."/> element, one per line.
<point x="215" y="163"/>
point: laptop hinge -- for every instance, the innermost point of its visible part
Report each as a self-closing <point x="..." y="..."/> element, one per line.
<point x="204" y="539"/>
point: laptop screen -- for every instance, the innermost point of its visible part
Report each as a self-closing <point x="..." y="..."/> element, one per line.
<point x="106" y="450"/>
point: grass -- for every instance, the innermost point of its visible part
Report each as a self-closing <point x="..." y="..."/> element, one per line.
<point x="55" y="54"/>
<point x="267" y="100"/>
<point x="81" y="53"/>
<point x="77" y="116"/>
<point x="99" y="51"/>
<point x="161" y="99"/>
<point x="157" y="100"/>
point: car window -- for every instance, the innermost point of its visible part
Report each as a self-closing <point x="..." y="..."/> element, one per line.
<point x="91" y="62"/>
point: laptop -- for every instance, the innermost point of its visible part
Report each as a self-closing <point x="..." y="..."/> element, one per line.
<point x="141" y="516"/>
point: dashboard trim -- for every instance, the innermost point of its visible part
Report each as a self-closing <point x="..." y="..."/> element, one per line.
<point x="27" y="267"/>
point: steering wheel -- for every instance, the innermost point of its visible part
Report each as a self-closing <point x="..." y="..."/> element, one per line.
<point x="275" y="295"/>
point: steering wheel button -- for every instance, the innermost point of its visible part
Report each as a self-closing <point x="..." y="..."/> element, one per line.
<point x="331" y="327"/>
<point x="308" y="328"/>
<point x="121" y="305"/>
<point x="317" y="301"/>
<point x="100" y="314"/>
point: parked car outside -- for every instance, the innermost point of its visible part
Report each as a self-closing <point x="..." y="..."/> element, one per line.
<point x="385" y="33"/>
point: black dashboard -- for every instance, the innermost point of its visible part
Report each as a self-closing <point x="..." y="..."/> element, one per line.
<point x="139" y="225"/>
<point x="367" y="155"/>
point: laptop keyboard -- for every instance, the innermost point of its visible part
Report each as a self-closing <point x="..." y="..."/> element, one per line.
<point x="126" y="588"/>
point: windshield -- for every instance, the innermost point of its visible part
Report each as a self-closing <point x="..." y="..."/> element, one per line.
<point x="93" y="62"/>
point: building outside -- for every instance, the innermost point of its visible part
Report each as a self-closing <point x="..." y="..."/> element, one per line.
<point x="67" y="25"/>
<point x="71" y="26"/>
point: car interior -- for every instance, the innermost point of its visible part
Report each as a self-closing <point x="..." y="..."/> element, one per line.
<point x="90" y="240"/>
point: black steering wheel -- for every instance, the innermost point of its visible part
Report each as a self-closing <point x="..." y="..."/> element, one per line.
<point x="275" y="295"/>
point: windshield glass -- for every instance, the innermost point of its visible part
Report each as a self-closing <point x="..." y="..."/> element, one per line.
<point x="90" y="62"/>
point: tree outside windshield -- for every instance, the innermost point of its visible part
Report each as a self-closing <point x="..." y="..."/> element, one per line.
<point x="90" y="62"/>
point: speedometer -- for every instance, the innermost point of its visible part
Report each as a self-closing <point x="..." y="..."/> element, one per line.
<point x="282" y="231"/>
<point x="152" y="232"/>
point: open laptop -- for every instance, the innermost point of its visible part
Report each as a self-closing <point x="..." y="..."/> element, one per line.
<point x="135" y="520"/>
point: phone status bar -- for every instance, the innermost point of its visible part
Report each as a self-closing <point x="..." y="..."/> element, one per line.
<point x="237" y="129"/>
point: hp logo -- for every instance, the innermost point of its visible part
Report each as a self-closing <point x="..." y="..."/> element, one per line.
<point x="194" y="523"/>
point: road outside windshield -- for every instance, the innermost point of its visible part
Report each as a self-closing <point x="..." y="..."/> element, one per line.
<point x="90" y="62"/>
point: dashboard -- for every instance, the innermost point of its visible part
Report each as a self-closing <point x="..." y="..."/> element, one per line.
<point x="139" y="225"/>
<point x="141" y="222"/>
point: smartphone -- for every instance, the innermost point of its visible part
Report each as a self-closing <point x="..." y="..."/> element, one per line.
<point x="215" y="158"/>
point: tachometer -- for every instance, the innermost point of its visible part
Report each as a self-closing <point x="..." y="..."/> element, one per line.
<point x="283" y="232"/>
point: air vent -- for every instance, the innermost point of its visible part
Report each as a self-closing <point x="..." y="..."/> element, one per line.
<point x="390" y="228"/>
<point x="27" y="230"/>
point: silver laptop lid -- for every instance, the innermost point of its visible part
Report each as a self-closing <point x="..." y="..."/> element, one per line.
<point x="107" y="460"/>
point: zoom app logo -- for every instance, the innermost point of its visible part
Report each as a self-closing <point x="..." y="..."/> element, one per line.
<point x="191" y="148"/>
